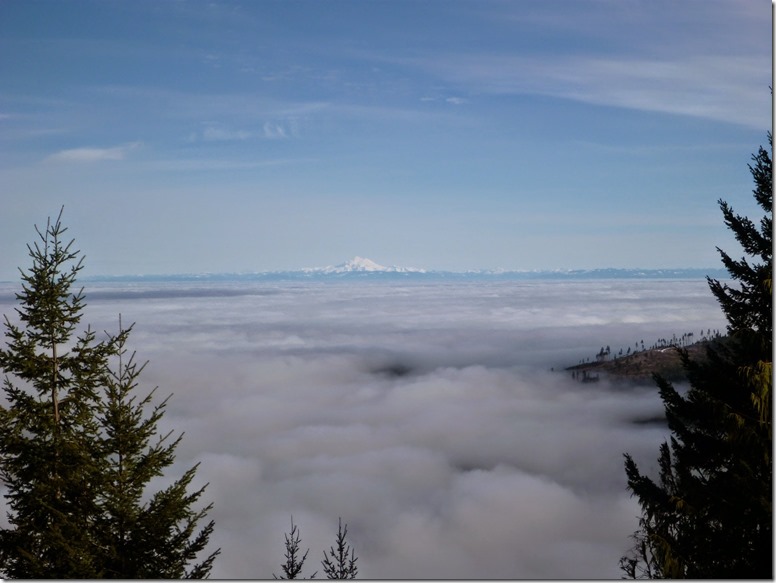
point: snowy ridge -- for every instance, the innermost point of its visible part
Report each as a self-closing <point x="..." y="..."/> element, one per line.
<point x="361" y="265"/>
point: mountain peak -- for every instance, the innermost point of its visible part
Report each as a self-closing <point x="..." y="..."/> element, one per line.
<point x="363" y="265"/>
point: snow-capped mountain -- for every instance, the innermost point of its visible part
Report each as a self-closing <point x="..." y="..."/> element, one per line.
<point x="362" y="265"/>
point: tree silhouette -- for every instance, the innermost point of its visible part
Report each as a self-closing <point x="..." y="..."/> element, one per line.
<point x="292" y="568"/>
<point x="709" y="515"/>
<point x="341" y="564"/>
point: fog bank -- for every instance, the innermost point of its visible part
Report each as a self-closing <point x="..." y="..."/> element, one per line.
<point x="425" y="415"/>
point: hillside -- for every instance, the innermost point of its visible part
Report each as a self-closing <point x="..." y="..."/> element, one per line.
<point x="640" y="366"/>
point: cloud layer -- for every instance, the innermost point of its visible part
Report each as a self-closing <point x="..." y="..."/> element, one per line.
<point x="86" y="155"/>
<point x="425" y="416"/>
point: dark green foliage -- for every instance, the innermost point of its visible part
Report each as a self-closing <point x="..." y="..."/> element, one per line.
<point x="748" y="309"/>
<point x="709" y="515"/>
<point x="75" y="445"/>
<point x="152" y="540"/>
<point x="341" y="564"/>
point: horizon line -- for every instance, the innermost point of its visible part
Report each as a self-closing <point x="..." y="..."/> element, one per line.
<point x="320" y="272"/>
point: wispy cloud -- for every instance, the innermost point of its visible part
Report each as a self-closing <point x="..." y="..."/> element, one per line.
<point x="277" y="131"/>
<point x="219" y="134"/>
<point x="220" y="110"/>
<point x="725" y="88"/>
<point x="210" y="164"/>
<point x="89" y="155"/>
<point x="453" y="100"/>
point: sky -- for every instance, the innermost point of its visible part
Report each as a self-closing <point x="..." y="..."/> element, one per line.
<point x="193" y="136"/>
<point x="426" y="415"/>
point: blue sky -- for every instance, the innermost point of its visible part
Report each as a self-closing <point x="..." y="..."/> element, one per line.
<point x="260" y="135"/>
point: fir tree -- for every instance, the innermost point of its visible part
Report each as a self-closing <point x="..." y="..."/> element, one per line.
<point x="74" y="453"/>
<point x="341" y="564"/>
<point x="153" y="540"/>
<point x="292" y="568"/>
<point x="709" y="514"/>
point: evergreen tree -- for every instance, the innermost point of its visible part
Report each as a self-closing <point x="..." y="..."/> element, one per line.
<point x="153" y="540"/>
<point x="709" y="514"/>
<point x="341" y="564"/>
<point x="292" y="568"/>
<point x="74" y="454"/>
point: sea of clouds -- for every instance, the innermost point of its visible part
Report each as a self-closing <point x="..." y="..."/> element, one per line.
<point x="435" y="418"/>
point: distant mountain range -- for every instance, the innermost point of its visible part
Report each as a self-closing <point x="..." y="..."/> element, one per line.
<point x="360" y="268"/>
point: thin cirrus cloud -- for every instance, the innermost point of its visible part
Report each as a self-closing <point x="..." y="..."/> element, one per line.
<point x="281" y="130"/>
<point x="453" y="100"/>
<point x="219" y="134"/>
<point x="733" y="85"/>
<point x="90" y="155"/>
<point x="269" y="130"/>
<point x="274" y="131"/>
<point x="218" y="164"/>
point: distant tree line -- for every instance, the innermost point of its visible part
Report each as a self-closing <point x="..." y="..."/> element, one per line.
<point x="683" y="341"/>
